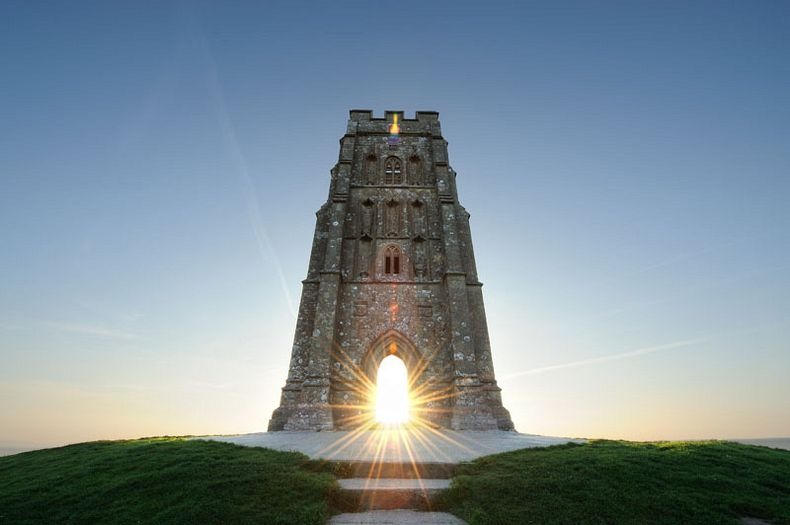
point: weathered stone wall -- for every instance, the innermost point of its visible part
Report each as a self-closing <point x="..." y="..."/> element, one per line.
<point x="391" y="199"/>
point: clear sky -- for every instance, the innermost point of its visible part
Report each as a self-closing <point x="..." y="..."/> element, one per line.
<point x="626" y="165"/>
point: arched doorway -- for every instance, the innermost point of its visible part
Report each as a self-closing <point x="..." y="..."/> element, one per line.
<point x="392" y="351"/>
<point x="392" y="392"/>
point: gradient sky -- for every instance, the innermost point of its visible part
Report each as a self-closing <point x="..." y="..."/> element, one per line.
<point x="626" y="165"/>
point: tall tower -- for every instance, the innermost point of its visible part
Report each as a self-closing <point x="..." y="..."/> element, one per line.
<point x="392" y="272"/>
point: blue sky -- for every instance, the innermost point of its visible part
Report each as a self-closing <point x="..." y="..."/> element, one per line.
<point x="625" y="165"/>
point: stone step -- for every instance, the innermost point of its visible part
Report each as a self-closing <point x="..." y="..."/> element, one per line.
<point x="389" y="493"/>
<point x="396" y="517"/>
<point x="370" y="469"/>
<point x="393" y="483"/>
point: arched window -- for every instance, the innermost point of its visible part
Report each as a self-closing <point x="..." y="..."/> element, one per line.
<point x="393" y="174"/>
<point x="392" y="260"/>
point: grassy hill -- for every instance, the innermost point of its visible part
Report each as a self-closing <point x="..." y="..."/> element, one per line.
<point x="624" y="482"/>
<point x="161" y="480"/>
<point x="172" y="480"/>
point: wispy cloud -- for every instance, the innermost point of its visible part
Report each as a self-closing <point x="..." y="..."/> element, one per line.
<point x="91" y="330"/>
<point x="607" y="358"/>
<point x="684" y="256"/>
<point x="255" y="217"/>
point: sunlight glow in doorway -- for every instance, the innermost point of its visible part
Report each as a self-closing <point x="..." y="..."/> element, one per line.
<point x="392" y="392"/>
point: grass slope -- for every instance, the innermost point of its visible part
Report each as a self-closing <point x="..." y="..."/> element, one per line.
<point x="625" y="483"/>
<point x="171" y="480"/>
<point x="161" y="480"/>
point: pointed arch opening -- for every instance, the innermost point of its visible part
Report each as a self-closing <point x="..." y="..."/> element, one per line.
<point x="394" y="368"/>
<point x="392" y="260"/>
<point x="392" y="392"/>
<point x="393" y="171"/>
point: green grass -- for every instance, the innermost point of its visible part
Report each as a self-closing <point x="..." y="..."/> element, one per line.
<point x="162" y="480"/>
<point x="172" y="480"/>
<point x="625" y="483"/>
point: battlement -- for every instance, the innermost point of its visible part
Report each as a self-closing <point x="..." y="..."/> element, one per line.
<point x="362" y="120"/>
<point x="360" y="115"/>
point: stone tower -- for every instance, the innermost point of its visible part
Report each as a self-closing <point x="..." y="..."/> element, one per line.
<point x="392" y="272"/>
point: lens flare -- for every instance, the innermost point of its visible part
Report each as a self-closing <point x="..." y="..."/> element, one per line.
<point x="392" y="392"/>
<point x="394" y="127"/>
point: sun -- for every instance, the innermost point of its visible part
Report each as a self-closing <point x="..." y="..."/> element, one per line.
<point x="392" y="392"/>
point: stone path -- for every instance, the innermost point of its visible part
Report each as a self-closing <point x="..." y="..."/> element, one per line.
<point x="417" y="445"/>
<point x="394" y="476"/>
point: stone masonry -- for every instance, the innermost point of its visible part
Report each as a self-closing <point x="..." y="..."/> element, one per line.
<point x="392" y="271"/>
